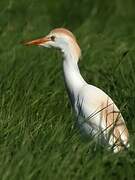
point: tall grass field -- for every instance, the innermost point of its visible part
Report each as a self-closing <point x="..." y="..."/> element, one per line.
<point x="38" y="139"/>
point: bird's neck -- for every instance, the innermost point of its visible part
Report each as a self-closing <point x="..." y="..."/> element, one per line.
<point x="73" y="79"/>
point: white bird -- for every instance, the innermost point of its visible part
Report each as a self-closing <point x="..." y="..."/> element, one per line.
<point x="97" y="114"/>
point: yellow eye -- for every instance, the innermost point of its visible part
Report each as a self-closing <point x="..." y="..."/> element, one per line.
<point x="53" y="38"/>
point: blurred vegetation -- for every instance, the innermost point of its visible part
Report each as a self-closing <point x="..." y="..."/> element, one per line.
<point x="37" y="138"/>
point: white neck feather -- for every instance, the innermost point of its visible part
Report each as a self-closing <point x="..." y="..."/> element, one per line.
<point x="73" y="79"/>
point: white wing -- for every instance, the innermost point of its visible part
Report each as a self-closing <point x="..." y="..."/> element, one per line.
<point x="101" y="113"/>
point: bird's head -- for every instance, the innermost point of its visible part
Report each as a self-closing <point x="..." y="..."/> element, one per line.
<point x="59" y="38"/>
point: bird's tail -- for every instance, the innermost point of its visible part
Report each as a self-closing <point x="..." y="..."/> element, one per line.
<point x="119" y="138"/>
<point x="116" y="130"/>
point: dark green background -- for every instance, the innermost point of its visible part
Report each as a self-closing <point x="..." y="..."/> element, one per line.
<point x="37" y="138"/>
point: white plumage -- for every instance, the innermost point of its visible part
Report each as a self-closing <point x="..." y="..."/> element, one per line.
<point x="97" y="115"/>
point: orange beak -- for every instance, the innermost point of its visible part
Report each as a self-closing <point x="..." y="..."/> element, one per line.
<point x="37" y="42"/>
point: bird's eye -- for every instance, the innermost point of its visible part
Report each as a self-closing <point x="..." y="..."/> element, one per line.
<point x="53" y="38"/>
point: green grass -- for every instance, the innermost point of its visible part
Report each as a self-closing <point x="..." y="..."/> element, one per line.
<point x="37" y="138"/>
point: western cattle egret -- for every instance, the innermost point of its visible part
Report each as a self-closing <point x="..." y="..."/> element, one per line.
<point x="97" y="114"/>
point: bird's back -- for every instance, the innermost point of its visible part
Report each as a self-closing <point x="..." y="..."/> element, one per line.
<point x="101" y="113"/>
